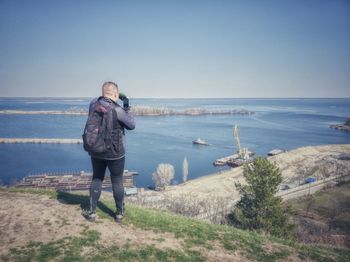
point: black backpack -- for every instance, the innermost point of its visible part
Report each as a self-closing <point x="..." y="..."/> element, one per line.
<point x="97" y="136"/>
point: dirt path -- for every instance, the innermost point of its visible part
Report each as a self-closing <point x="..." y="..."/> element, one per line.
<point x="26" y="218"/>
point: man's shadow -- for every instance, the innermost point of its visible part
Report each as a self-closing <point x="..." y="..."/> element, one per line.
<point x="83" y="201"/>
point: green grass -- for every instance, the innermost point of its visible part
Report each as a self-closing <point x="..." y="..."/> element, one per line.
<point x="71" y="249"/>
<point x="194" y="233"/>
<point x="148" y="253"/>
<point x="50" y="193"/>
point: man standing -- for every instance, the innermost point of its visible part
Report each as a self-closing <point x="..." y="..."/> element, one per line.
<point x="112" y="120"/>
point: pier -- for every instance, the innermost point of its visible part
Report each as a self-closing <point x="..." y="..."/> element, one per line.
<point x="40" y="141"/>
<point x="71" y="181"/>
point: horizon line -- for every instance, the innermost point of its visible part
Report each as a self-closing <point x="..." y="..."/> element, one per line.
<point x="86" y="97"/>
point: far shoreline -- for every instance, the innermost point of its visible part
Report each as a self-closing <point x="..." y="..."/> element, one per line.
<point x="174" y="98"/>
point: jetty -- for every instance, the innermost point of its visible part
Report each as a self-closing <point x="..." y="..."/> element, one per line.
<point x="71" y="181"/>
<point x="138" y="110"/>
<point x="40" y="141"/>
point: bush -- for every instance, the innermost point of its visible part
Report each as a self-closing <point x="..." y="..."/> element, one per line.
<point x="163" y="176"/>
<point x="259" y="208"/>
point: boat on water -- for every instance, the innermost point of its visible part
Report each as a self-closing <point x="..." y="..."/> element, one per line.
<point x="199" y="141"/>
<point x="276" y="151"/>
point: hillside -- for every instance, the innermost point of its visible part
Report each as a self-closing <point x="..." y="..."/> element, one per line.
<point x="215" y="193"/>
<point x="46" y="226"/>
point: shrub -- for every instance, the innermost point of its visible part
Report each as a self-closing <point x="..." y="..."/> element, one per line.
<point x="163" y="176"/>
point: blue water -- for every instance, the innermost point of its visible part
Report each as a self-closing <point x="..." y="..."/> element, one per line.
<point x="277" y="123"/>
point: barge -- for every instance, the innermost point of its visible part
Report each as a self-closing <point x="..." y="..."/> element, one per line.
<point x="232" y="159"/>
<point x="243" y="155"/>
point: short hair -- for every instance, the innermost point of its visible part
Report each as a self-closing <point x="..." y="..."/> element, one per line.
<point x="108" y="88"/>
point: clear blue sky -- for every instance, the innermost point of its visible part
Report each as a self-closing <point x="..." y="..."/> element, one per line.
<point x="291" y="48"/>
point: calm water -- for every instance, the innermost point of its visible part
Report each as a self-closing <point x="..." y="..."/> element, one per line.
<point x="277" y="123"/>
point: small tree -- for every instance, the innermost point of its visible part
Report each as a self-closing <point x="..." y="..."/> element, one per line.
<point x="163" y="176"/>
<point x="259" y="208"/>
<point x="184" y="170"/>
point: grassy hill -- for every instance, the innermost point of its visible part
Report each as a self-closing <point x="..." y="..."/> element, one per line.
<point x="47" y="225"/>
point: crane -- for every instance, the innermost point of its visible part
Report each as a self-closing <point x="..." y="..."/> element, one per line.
<point x="242" y="152"/>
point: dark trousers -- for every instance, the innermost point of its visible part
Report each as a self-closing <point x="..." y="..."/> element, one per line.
<point x="116" y="168"/>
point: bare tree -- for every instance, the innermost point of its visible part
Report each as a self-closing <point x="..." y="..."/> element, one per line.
<point x="309" y="204"/>
<point x="184" y="170"/>
<point x="163" y="176"/>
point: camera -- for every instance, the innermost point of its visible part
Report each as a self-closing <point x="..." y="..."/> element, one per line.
<point x="125" y="100"/>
